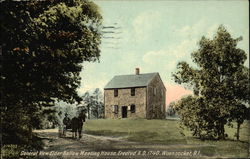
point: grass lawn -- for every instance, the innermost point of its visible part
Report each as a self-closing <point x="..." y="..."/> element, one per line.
<point x="167" y="132"/>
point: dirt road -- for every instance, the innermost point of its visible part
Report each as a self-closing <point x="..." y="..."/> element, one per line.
<point x="91" y="146"/>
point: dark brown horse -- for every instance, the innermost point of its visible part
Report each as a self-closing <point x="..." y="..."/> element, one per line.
<point x="77" y="124"/>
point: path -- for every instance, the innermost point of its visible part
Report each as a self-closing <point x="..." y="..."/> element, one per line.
<point x="91" y="146"/>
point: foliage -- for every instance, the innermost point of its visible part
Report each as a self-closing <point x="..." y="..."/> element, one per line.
<point x="219" y="83"/>
<point x="93" y="102"/>
<point x="43" y="44"/>
<point x="63" y="109"/>
<point x="171" y="109"/>
<point x="195" y="115"/>
<point x="98" y="108"/>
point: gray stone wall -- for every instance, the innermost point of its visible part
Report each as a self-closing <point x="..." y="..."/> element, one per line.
<point x="124" y="98"/>
<point x="156" y="100"/>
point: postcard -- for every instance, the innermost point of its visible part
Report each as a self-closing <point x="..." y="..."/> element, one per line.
<point x="125" y="79"/>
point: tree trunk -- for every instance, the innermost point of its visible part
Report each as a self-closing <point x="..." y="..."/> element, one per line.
<point x="97" y="111"/>
<point x="238" y="131"/>
<point x="221" y="131"/>
<point x="30" y="133"/>
<point x="88" y="113"/>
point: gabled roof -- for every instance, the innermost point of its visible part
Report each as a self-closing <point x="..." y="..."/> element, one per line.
<point x="128" y="81"/>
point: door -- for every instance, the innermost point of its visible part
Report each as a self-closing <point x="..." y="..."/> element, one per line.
<point x="124" y="111"/>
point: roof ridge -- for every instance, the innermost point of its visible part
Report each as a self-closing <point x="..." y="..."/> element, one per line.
<point x="137" y="75"/>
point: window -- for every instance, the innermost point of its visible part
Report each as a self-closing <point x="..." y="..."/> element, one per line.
<point x="115" y="92"/>
<point x="116" y="109"/>
<point x="132" y="108"/>
<point x="132" y="91"/>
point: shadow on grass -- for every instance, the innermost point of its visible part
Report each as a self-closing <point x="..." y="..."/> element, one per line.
<point x="141" y="136"/>
<point x="232" y="140"/>
<point x="106" y="133"/>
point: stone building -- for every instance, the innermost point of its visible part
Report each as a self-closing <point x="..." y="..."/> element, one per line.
<point x="135" y="96"/>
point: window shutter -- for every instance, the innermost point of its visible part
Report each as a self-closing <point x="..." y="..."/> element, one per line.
<point x="115" y="109"/>
<point x="132" y="108"/>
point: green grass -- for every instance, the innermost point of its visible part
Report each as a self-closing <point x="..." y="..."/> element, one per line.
<point x="167" y="132"/>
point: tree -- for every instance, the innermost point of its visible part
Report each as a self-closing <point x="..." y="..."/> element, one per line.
<point x="239" y="110"/>
<point x="194" y="114"/>
<point x="98" y="108"/>
<point x="94" y="103"/>
<point x="87" y="102"/>
<point x="63" y="108"/>
<point x="171" y="109"/>
<point x="219" y="82"/>
<point x="44" y="44"/>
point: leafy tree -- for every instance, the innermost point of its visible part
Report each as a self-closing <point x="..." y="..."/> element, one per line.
<point x="219" y="82"/>
<point x="87" y="102"/>
<point x="171" y="109"/>
<point x="238" y="109"/>
<point x="98" y="108"/>
<point x="196" y="116"/>
<point x="62" y="109"/>
<point x="44" y="44"/>
<point x="94" y="103"/>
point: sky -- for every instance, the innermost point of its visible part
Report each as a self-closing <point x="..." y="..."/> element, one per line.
<point x="154" y="35"/>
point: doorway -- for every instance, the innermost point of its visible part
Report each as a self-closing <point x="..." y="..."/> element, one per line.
<point x="124" y="111"/>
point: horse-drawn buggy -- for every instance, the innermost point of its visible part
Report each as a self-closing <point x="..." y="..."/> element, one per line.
<point x="75" y="125"/>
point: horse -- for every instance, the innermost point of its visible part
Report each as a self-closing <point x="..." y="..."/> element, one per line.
<point x="77" y="124"/>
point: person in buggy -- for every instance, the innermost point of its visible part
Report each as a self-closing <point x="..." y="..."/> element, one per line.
<point x="66" y="124"/>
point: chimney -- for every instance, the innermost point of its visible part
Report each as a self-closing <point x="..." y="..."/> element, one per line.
<point x="137" y="71"/>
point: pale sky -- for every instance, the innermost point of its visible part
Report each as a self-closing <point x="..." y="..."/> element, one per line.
<point x="156" y="35"/>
